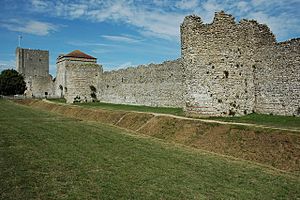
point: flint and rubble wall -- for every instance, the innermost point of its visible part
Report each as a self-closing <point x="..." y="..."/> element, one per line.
<point x="151" y="85"/>
<point x="235" y="68"/>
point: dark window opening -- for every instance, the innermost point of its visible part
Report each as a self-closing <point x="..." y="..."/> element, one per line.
<point x="46" y="93"/>
<point x="226" y="74"/>
<point x="231" y="113"/>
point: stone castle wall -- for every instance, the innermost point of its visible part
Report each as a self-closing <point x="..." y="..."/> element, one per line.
<point x="225" y="70"/>
<point x="34" y="65"/>
<point x="151" y="85"/>
<point x="277" y="79"/>
<point x="60" y="80"/>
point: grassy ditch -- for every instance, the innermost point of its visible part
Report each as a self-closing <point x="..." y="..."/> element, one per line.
<point x="276" y="148"/>
<point x="285" y="122"/>
<point x="48" y="156"/>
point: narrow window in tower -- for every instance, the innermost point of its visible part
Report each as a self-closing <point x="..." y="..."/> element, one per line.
<point x="226" y="73"/>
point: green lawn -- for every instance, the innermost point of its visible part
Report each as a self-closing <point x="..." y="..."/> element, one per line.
<point x="126" y="107"/>
<point x="47" y="156"/>
<point x="58" y="100"/>
<point x="267" y="120"/>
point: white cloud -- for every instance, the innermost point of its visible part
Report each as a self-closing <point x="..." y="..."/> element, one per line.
<point x="157" y="21"/>
<point x="162" y="2"/>
<point x="82" y="43"/>
<point x="39" y="4"/>
<point x="126" y="64"/>
<point x="76" y="11"/>
<point x="161" y="18"/>
<point x="243" y="6"/>
<point x="7" y="64"/>
<point x="187" y="4"/>
<point x="280" y="25"/>
<point x="101" y="51"/>
<point x="32" y="26"/>
<point x="212" y="6"/>
<point x="120" y="38"/>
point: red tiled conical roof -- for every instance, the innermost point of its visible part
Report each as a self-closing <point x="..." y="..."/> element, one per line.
<point x="78" y="54"/>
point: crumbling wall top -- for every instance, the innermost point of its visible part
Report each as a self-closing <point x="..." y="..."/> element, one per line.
<point x="192" y="21"/>
<point x="222" y="17"/>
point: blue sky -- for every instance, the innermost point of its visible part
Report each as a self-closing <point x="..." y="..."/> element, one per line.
<point x="122" y="33"/>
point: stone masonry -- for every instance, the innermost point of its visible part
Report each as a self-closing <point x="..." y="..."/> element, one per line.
<point x="151" y="85"/>
<point x="238" y="68"/>
<point x="226" y="68"/>
<point x="76" y="72"/>
<point x="34" y="66"/>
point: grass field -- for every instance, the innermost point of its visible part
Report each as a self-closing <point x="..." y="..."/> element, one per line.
<point x="125" y="107"/>
<point x="47" y="156"/>
<point x="267" y="120"/>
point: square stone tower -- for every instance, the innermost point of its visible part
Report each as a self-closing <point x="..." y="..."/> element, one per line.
<point x="76" y="73"/>
<point x="34" y="66"/>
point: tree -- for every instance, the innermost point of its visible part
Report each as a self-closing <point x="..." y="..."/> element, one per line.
<point x="11" y="82"/>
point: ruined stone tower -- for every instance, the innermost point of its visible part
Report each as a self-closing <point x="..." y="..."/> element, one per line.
<point x="34" y="66"/>
<point x="238" y="68"/>
<point x="76" y="72"/>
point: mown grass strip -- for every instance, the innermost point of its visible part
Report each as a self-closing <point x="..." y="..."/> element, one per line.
<point x="288" y="122"/>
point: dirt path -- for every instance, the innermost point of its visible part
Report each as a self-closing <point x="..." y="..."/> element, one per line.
<point x="217" y="121"/>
